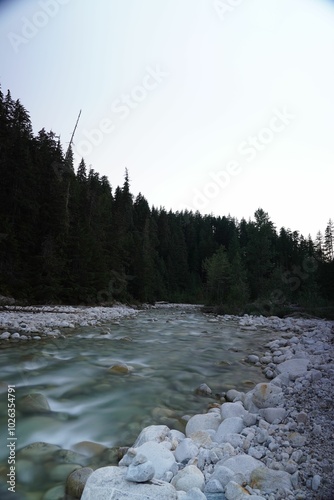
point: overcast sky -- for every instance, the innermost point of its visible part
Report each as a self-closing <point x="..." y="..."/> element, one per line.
<point x="221" y="106"/>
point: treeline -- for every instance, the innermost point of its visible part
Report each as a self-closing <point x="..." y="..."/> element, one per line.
<point x="66" y="236"/>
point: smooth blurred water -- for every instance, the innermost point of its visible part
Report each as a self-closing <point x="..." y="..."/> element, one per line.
<point x="170" y="351"/>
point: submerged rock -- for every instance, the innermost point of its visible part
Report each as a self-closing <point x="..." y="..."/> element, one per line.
<point x="34" y="403"/>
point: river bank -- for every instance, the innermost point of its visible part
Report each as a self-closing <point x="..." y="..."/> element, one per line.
<point x="34" y="322"/>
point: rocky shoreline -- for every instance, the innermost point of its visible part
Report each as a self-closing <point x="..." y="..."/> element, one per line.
<point x="35" y="322"/>
<point x="274" y="442"/>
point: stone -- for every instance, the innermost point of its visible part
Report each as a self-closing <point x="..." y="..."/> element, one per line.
<point x="5" y="336"/>
<point x="34" y="403"/>
<point x="203" y="390"/>
<point x="202" y="422"/>
<point x="316" y="480"/>
<point x="188" y="478"/>
<point x="302" y="418"/>
<point x="89" y="448"/>
<point x="38" y="452"/>
<point x="243" y="464"/>
<point x="252" y="358"/>
<point x="228" y="426"/>
<point x="202" y="438"/>
<point x="257" y="451"/>
<point x="109" y="483"/>
<point x="69" y="457"/>
<point x="232" y="394"/>
<point x="264" y="395"/>
<point x="249" y="419"/>
<point x="76" y="481"/>
<point x="55" y="493"/>
<point x="140" y="470"/>
<point x="269" y="480"/>
<point x="162" y="459"/>
<point x="157" y="433"/>
<point x="213" y="486"/>
<point x="61" y="471"/>
<point x="235" y="491"/>
<point x="175" y="435"/>
<point x="186" y="450"/>
<point x="223" y="474"/>
<point x="120" y="368"/>
<point x="235" y="439"/>
<point x="194" y="494"/>
<point x="296" y="440"/>
<point x="228" y="410"/>
<point x="276" y="415"/>
<point x="293" y="368"/>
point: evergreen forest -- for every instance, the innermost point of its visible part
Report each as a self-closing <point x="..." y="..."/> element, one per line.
<point x="68" y="237"/>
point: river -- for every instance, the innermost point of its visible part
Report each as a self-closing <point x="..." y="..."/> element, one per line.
<point x="169" y="351"/>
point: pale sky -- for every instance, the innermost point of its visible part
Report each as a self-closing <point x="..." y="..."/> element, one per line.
<point x="221" y="106"/>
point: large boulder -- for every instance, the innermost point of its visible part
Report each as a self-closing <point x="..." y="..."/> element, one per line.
<point x="109" y="483"/>
<point x="230" y="425"/>
<point x="206" y="421"/>
<point x="243" y="464"/>
<point x="270" y="481"/>
<point x="293" y="368"/>
<point x="162" y="459"/>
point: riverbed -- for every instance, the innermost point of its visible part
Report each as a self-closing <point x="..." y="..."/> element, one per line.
<point x="168" y="353"/>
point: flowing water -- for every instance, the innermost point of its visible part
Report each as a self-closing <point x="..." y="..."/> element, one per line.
<point x="169" y="352"/>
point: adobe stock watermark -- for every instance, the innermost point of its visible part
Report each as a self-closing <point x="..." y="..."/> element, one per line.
<point x="249" y="149"/>
<point x="32" y="26"/>
<point x="225" y="7"/>
<point x="121" y="108"/>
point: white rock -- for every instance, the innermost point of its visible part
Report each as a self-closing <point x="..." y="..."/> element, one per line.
<point x="235" y="439"/>
<point x="140" y="470"/>
<point x="293" y="368"/>
<point x="228" y="426"/>
<point x="252" y="358"/>
<point x="194" y="494"/>
<point x="228" y="410"/>
<point x="235" y="491"/>
<point x="186" y="450"/>
<point x="264" y="395"/>
<point x="109" y="482"/>
<point x="213" y="486"/>
<point x="269" y="480"/>
<point x="276" y="415"/>
<point x="188" y="478"/>
<point x="162" y="459"/>
<point x="157" y="433"/>
<point x="202" y="422"/>
<point x="233" y="395"/>
<point x="243" y="464"/>
<point x="4" y="336"/>
<point x="316" y="480"/>
<point x="223" y="474"/>
<point x="15" y="335"/>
